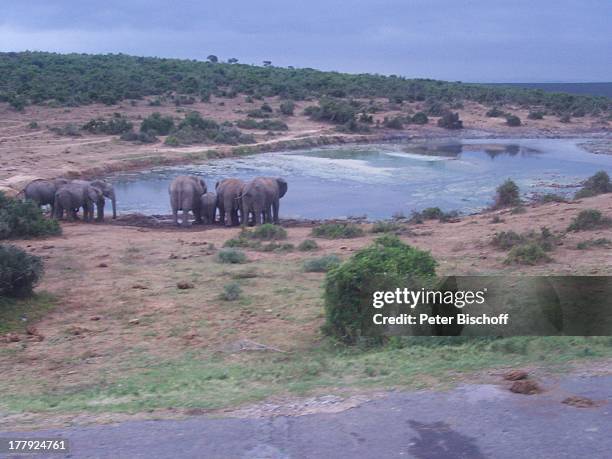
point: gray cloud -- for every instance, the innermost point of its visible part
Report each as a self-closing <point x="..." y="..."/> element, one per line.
<point x="478" y="40"/>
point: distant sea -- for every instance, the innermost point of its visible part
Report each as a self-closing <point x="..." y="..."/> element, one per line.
<point x="589" y="89"/>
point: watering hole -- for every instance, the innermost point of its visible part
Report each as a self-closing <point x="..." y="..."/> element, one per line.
<point x="382" y="180"/>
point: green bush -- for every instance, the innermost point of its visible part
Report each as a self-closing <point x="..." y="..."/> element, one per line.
<point x="433" y="213"/>
<point x="113" y="126"/>
<point x="265" y="124"/>
<point x="232" y="256"/>
<point x="266" y="232"/>
<point x="419" y="118"/>
<point x="19" y="219"/>
<point x="19" y="271"/>
<point x="507" y="239"/>
<point x="495" y="113"/>
<point x="599" y="183"/>
<point x="450" y="121"/>
<point x="600" y="242"/>
<point x="157" y="124"/>
<point x="385" y="265"/>
<point x="337" y="231"/>
<point x="231" y="291"/>
<point x="507" y="195"/>
<point x="334" y="110"/>
<point x="565" y="119"/>
<point x="530" y="253"/>
<point x="385" y="227"/>
<point x="69" y="130"/>
<point x="395" y="122"/>
<point x="551" y="197"/>
<point x="536" y="115"/>
<point x="513" y="120"/>
<point x="142" y="137"/>
<point x="321" y="264"/>
<point x="308" y="245"/>
<point x="287" y="107"/>
<point x="589" y="219"/>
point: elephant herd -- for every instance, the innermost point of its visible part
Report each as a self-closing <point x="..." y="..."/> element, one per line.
<point x="69" y="196"/>
<point x="247" y="203"/>
<point x="238" y="202"/>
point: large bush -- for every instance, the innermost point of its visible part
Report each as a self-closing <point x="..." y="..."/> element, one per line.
<point x="113" y="126"/>
<point x="157" y="124"/>
<point x="19" y="271"/>
<point x="24" y="219"/>
<point x="594" y="185"/>
<point x="385" y="265"/>
<point x="450" y="121"/>
<point x="507" y="195"/>
<point x="333" y="110"/>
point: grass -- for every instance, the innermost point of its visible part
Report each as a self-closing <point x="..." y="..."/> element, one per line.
<point x="321" y="264"/>
<point x="530" y="253"/>
<point x="594" y="243"/>
<point x="337" y="231"/>
<point x="12" y="311"/>
<point x="308" y="245"/>
<point x="203" y="381"/>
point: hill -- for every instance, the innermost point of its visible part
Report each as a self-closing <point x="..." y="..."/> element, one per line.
<point x="80" y="79"/>
<point x="588" y="89"/>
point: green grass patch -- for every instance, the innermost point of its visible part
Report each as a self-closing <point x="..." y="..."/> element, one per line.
<point x="337" y="231"/>
<point x="14" y="310"/>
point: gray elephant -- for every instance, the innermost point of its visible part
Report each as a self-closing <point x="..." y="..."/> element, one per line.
<point x="73" y="196"/>
<point x="42" y="191"/>
<point x="228" y="201"/>
<point x="186" y="194"/>
<point x="209" y="207"/>
<point x="261" y="198"/>
<point x="107" y="190"/>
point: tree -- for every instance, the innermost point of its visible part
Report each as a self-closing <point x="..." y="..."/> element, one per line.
<point x="267" y="63"/>
<point x="232" y="60"/>
<point x="212" y="58"/>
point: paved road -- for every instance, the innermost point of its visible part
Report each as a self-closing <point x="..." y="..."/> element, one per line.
<point x="471" y="421"/>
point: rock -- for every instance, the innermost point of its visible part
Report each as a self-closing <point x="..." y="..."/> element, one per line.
<point x="102" y="265"/>
<point x="76" y="330"/>
<point x="94" y="318"/>
<point x="134" y="322"/>
<point x="579" y="402"/>
<point x="526" y="387"/>
<point x="47" y="247"/>
<point x="515" y="375"/>
<point x="140" y="286"/>
<point x="183" y="285"/>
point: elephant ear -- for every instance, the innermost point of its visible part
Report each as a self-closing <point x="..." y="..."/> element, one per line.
<point x="282" y="187"/>
<point x="203" y="183"/>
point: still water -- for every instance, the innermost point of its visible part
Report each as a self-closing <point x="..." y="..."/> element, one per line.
<point x="384" y="179"/>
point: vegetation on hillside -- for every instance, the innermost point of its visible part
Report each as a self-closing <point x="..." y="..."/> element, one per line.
<point x="77" y="79"/>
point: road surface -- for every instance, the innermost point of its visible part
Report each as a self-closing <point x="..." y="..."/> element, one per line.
<point x="471" y="421"/>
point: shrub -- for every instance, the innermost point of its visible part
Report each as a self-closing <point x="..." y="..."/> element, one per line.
<point x="385" y="265"/>
<point x="142" y="137"/>
<point x="171" y="141"/>
<point x="527" y="254"/>
<point x="157" y="124"/>
<point x="565" y="119"/>
<point x="589" y="219"/>
<point x="507" y="195"/>
<point x="551" y="197"/>
<point x="321" y="264"/>
<point x="385" y="227"/>
<point x="598" y="183"/>
<point x="450" y="121"/>
<point x="433" y="213"/>
<point x="507" y="239"/>
<point x="536" y="115"/>
<point x="70" y="130"/>
<point x="266" y="232"/>
<point x="334" y="110"/>
<point x="258" y="113"/>
<point x="113" y="126"/>
<point x="24" y="219"/>
<point x="513" y="120"/>
<point x="266" y="124"/>
<point x="276" y="247"/>
<point x="600" y="242"/>
<point x="287" y="107"/>
<point x="19" y="271"/>
<point x="232" y="256"/>
<point x="231" y="291"/>
<point x="495" y="113"/>
<point x="32" y="125"/>
<point x="419" y="118"/>
<point x="393" y="123"/>
<point x="337" y="231"/>
<point x="308" y="245"/>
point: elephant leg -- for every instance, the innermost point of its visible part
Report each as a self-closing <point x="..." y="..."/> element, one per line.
<point x="258" y="219"/>
<point x="197" y="213"/>
<point x="185" y="221"/>
<point x="275" y="206"/>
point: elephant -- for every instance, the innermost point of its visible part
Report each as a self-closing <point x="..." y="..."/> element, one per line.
<point x="42" y="191"/>
<point x="261" y="197"/>
<point x="73" y="196"/>
<point x="228" y="201"/>
<point x="209" y="207"/>
<point x="107" y="190"/>
<point x="186" y="194"/>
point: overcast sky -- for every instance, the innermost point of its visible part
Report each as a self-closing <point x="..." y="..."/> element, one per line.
<point x="479" y="40"/>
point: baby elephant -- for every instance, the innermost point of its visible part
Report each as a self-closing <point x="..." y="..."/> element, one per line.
<point x="209" y="208"/>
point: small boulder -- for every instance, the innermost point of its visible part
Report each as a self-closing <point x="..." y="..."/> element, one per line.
<point x="579" y="402"/>
<point x="515" y="375"/>
<point x="184" y="285"/>
<point x="526" y="387"/>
